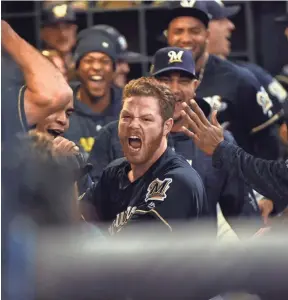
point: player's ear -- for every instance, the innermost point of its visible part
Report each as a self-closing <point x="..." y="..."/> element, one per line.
<point x="168" y="124"/>
<point x="195" y="84"/>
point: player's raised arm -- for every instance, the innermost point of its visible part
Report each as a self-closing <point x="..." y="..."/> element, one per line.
<point x="269" y="178"/>
<point x="47" y="90"/>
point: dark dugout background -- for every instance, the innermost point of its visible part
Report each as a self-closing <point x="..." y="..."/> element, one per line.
<point x="257" y="38"/>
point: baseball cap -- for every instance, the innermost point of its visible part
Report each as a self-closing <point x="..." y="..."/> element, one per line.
<point x="189" y="8"/>
<point x="120" y="43"/>
<point x="54" y="14"/>
<point x="173" y="59"/>
<point x="95" y="41"/>
<point x="217" y="10"/>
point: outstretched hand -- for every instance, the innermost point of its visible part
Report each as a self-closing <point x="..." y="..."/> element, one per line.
<point x="206" y="135"/>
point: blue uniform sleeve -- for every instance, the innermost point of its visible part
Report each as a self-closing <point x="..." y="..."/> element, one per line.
<point x="237" y="200"/>
<point x="269" y="178"/>
<point x="255" y="111"/>
<point x="100" y="154"/>
<point x="275" y="90"/>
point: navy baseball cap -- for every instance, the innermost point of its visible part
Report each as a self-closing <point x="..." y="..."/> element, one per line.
<point x="173" y="59"/>
<point x="95" y="41"/>
<point x="217" y="10"/>
<point x="190" y="8"/>
<point x="120" y="43"/>
<point x="54" y="14"/>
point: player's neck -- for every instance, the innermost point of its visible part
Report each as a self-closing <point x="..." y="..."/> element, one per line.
<point x="138" y="171"/>
<point x="201" y="62"/>
<point x="96" y="105"/>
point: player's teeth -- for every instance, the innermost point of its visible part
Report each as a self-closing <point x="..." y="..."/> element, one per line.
<point x="97" y="77"/>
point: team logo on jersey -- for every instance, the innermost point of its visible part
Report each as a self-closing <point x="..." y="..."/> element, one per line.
<point x="60" y="11"/>
<point x="87" y="143"/>
<point x="157" y="189"/>
<point x="187" y="3"/>
<point x="175" y="56"/>
<point x="121" y="219"/>
<point x="216" y="103"/>
<point x="263" y="100"/>
<point x="277" y="90"/>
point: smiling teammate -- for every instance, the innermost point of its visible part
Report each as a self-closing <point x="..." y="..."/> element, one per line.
<point x="96" y="101"/>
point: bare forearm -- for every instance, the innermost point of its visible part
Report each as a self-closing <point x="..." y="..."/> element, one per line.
<point x="44" y="81"/>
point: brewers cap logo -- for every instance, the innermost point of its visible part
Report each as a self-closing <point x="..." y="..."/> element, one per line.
<point x="60" y="11"/>
<point x="157" y="189"/>
<point x="175" y="57"/>
<point x="187" y="3"/>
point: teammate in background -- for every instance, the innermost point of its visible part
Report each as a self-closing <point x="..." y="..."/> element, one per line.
<point x="145" y="185"/>
<point x="125" y="57"/>
<point x="96" y="101"/>
<point x="270" y="178"/>
<point x="175" y="67"/>
<point x="221" y="28"/>
<point x="58" y="32"/>
<point x="242" y="103"/>
<point x="46" y="91"/>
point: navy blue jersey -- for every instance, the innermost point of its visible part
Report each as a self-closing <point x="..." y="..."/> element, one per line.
<point x="282" y="77"/>
<point x="170" y="190"/>
<point x="245" y="105"/>
<point x="85" y="124"/>
<point x="233" y="195"/>
<point x="269" y="178"/>
<point x="13" y="118"/>
<point x="275" y="90"/>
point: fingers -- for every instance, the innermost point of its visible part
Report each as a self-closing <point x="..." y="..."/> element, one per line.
<point x="189" y="133"/>
<point x="198" y="111"/>
<point x="266" y="207"/>
<point x="191" y="124"/>
<point x="192" y="118"/>
<point x="214" y="120"/>
<point x="65" y="146"/>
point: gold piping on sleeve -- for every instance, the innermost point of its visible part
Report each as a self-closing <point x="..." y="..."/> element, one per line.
<point x="268" y="123"/>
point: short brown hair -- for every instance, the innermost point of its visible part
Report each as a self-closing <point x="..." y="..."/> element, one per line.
<point x="150" y="87"/>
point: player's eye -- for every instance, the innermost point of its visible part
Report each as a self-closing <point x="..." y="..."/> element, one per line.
<point x="147" y="119"/>
<point x="164" y="80"/>
<point x="185" y="81"/>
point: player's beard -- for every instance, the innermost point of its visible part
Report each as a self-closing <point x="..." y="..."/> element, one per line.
<point x="148" y="149"/>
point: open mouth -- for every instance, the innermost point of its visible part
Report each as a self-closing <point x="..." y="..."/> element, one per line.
<point x="55" y="132"/>
<point x="134" y="143"/>
<point x="96" y="78"/>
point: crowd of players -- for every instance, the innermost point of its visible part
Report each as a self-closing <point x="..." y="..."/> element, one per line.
<point x="100" y="149"/>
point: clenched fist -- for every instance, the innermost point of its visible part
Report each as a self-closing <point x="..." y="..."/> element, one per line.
<point x="65" y="147"/>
